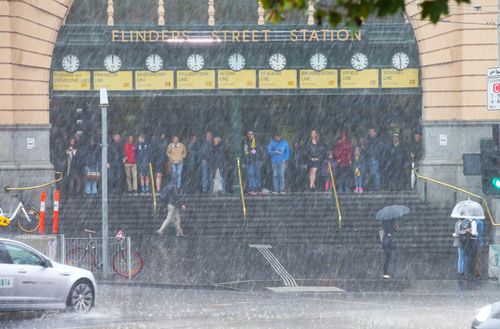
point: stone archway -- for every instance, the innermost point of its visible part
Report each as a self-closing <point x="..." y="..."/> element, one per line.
<point x="29" y="32"/>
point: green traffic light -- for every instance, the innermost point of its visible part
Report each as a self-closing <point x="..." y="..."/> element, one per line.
<point x="496" y="182"/>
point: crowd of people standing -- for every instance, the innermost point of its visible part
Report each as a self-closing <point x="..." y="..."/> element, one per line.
<point x="268" y="166"/>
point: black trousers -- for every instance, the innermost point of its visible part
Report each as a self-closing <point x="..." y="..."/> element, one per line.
<point x="470" y="250"/>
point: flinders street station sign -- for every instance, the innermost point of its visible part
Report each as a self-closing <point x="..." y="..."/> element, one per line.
<point x="237" y="36"/>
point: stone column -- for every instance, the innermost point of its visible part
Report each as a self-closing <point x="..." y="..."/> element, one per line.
<point x="211" y="12"/>
<point x="310" y="13"/>
<point x="161" y="12"/>
<point x="261" y="12"/>
<point x="111" y="13"/>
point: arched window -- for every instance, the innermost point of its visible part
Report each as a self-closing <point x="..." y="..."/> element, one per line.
<point x="88" y="12"/>
<point x="136" y="12"/>
<point x="186" y="12"/>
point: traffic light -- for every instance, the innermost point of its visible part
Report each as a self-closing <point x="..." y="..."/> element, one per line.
<point x="490" y="172"/>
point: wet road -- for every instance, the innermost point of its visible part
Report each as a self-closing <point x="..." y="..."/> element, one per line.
<point x="149" y="307"/>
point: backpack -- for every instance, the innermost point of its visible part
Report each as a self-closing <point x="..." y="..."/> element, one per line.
<point x="465" y="225"/>
<point x="165" y="194"/>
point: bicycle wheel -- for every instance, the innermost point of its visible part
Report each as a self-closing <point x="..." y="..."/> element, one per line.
<point x="28" y="224"/>
<point x="82" y="258"/>
<point x="120" y="264"/>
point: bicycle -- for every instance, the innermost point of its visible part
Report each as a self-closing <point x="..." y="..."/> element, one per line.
<point x="86" y="257"/>
<point x="28" y="219"/>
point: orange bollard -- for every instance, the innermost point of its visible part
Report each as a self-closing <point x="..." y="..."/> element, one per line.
<point x="41" y="228"/>
<point x="55" y="222"/>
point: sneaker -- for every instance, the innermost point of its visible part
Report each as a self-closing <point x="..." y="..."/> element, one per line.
<point x="275" y="193"/>
<point x="159" y="232"/>
<point x="252" y="193"/>
<point x="180" y="234"/>
<point x="386" y="276"/>
<point x="282" y="193"/>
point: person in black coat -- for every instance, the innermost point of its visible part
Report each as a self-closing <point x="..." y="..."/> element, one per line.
<point x="314" y="153"/>
<point x="396" y="165"/>
<point x="170" y="195"/>
<point x="389" y="227"/>
<point x="73" y="168"/>
<point x="115" y="164"/>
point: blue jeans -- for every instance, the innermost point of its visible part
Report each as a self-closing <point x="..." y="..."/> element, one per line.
<point x="358" y="183"/>
<point x="90" y="185"/>
<point x="279" y="176"/>
<point x="375" y="172"/>
<point x="177" y="168"/>
<point x="206" y="176"/>
<point x="254" y="177"/>
<point x="462" y="260"/>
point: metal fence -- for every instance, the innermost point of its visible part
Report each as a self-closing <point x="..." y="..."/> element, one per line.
<point x="87" y="253"/>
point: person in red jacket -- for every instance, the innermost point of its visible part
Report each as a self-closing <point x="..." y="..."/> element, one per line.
<point x="130" y="164"/>
<point x="342" y="152"/>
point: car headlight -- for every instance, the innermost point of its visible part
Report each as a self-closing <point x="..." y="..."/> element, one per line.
<point x="484" y="314"/>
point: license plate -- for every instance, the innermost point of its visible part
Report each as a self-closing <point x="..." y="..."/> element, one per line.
<point x="6" y="282"/>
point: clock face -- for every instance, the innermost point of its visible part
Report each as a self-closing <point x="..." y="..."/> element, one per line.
<point x="112" y="63"/>
<point x="318" y="61"/>
<point x="236" y="62"/>
<point x="70" y="63"/>
<point x="359" y="61"/>
<point x="154" y="63"/>
<point x="400" y="61"/>
<point x="277" y="62"/>
<point x="195" y="62"/>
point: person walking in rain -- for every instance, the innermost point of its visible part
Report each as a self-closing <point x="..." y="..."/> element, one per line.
<point x="170" y="195"/>
<point x="457" y="242"/>
<point x="389" y="227"/>
<point x="468" y="240"/>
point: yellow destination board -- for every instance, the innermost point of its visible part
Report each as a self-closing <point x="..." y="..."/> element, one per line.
<point x="161" y="80"/>
<point x="64" y="81"/>
<point x="187" y="80"/>
<point x="311" y="79"/>
<point x="286" y="79"/>
<point x="113" y="81"/>
<point x="392" y="78"/>
<point x="228" y="79"/>
<point x="359" y="79"/>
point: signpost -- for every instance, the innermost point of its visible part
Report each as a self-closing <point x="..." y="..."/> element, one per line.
<point x="286" y="79"/>
<point x="162" y="80"/>
<point x="229" y="79"/>
<point x="113" y="81"/>
<point x="64" y="81"/>
<point x="353" y="79"/>
<point x="189" y="80"/>
<point x="392" y="78"/>
<point x="326" y="79"/>
<point x="493" y="88"/>
<point x="104" y="177"/>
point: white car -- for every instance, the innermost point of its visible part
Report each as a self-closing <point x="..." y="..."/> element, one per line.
<point x="31" y="281"/>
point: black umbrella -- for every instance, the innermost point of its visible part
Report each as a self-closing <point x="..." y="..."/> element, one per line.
<point x="392" y="212"/>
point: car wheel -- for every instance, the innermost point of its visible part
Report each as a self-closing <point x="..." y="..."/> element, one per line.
<point x="81" y="297"/>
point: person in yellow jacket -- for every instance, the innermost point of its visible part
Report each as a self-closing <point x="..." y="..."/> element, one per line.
<point x="176" y="152"/>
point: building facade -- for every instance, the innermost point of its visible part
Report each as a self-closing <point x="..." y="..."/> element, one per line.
<point x="445" y="92"/>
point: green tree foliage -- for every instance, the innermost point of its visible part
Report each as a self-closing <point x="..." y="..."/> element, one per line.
<point x="354" y="12"/>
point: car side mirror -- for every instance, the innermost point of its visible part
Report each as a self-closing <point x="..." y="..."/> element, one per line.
<point x="47" y="263"/>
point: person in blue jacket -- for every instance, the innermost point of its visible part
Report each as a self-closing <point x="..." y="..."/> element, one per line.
<point x="279" y="151"/>
<point x="143" y="158"/>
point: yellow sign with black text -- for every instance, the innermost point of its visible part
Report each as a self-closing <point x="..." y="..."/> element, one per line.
<point x="161" y="80"/>
<point x="311" y="79"/>
<point x="64" y="81"/>
<point x="286" y="79"/>
<point x="189" y="80"/>
<point x="392" y="78"/>
<point x="353" y="79"/>
<point x="228" y="79"/>
<point x="113" y="81"/>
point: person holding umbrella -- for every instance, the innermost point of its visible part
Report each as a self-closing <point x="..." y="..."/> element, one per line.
<point x="388" y="216"/>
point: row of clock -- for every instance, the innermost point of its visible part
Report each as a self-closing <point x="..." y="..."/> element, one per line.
<point x="236" y="62"/>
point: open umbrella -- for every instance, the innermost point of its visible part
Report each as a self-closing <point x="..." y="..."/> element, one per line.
<point x="392" y="212"/>
<point x="468" y="209"/>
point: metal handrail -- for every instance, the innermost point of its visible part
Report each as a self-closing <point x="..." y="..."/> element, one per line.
<point x="153" y="190"/>
<point x="243" y="206"/>
<point x="458" y="189"/>
<point x="337" y="202"/>
<point x="27" y="188"/>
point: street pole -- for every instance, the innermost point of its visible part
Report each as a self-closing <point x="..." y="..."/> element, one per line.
<point x="104" y="178"/>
